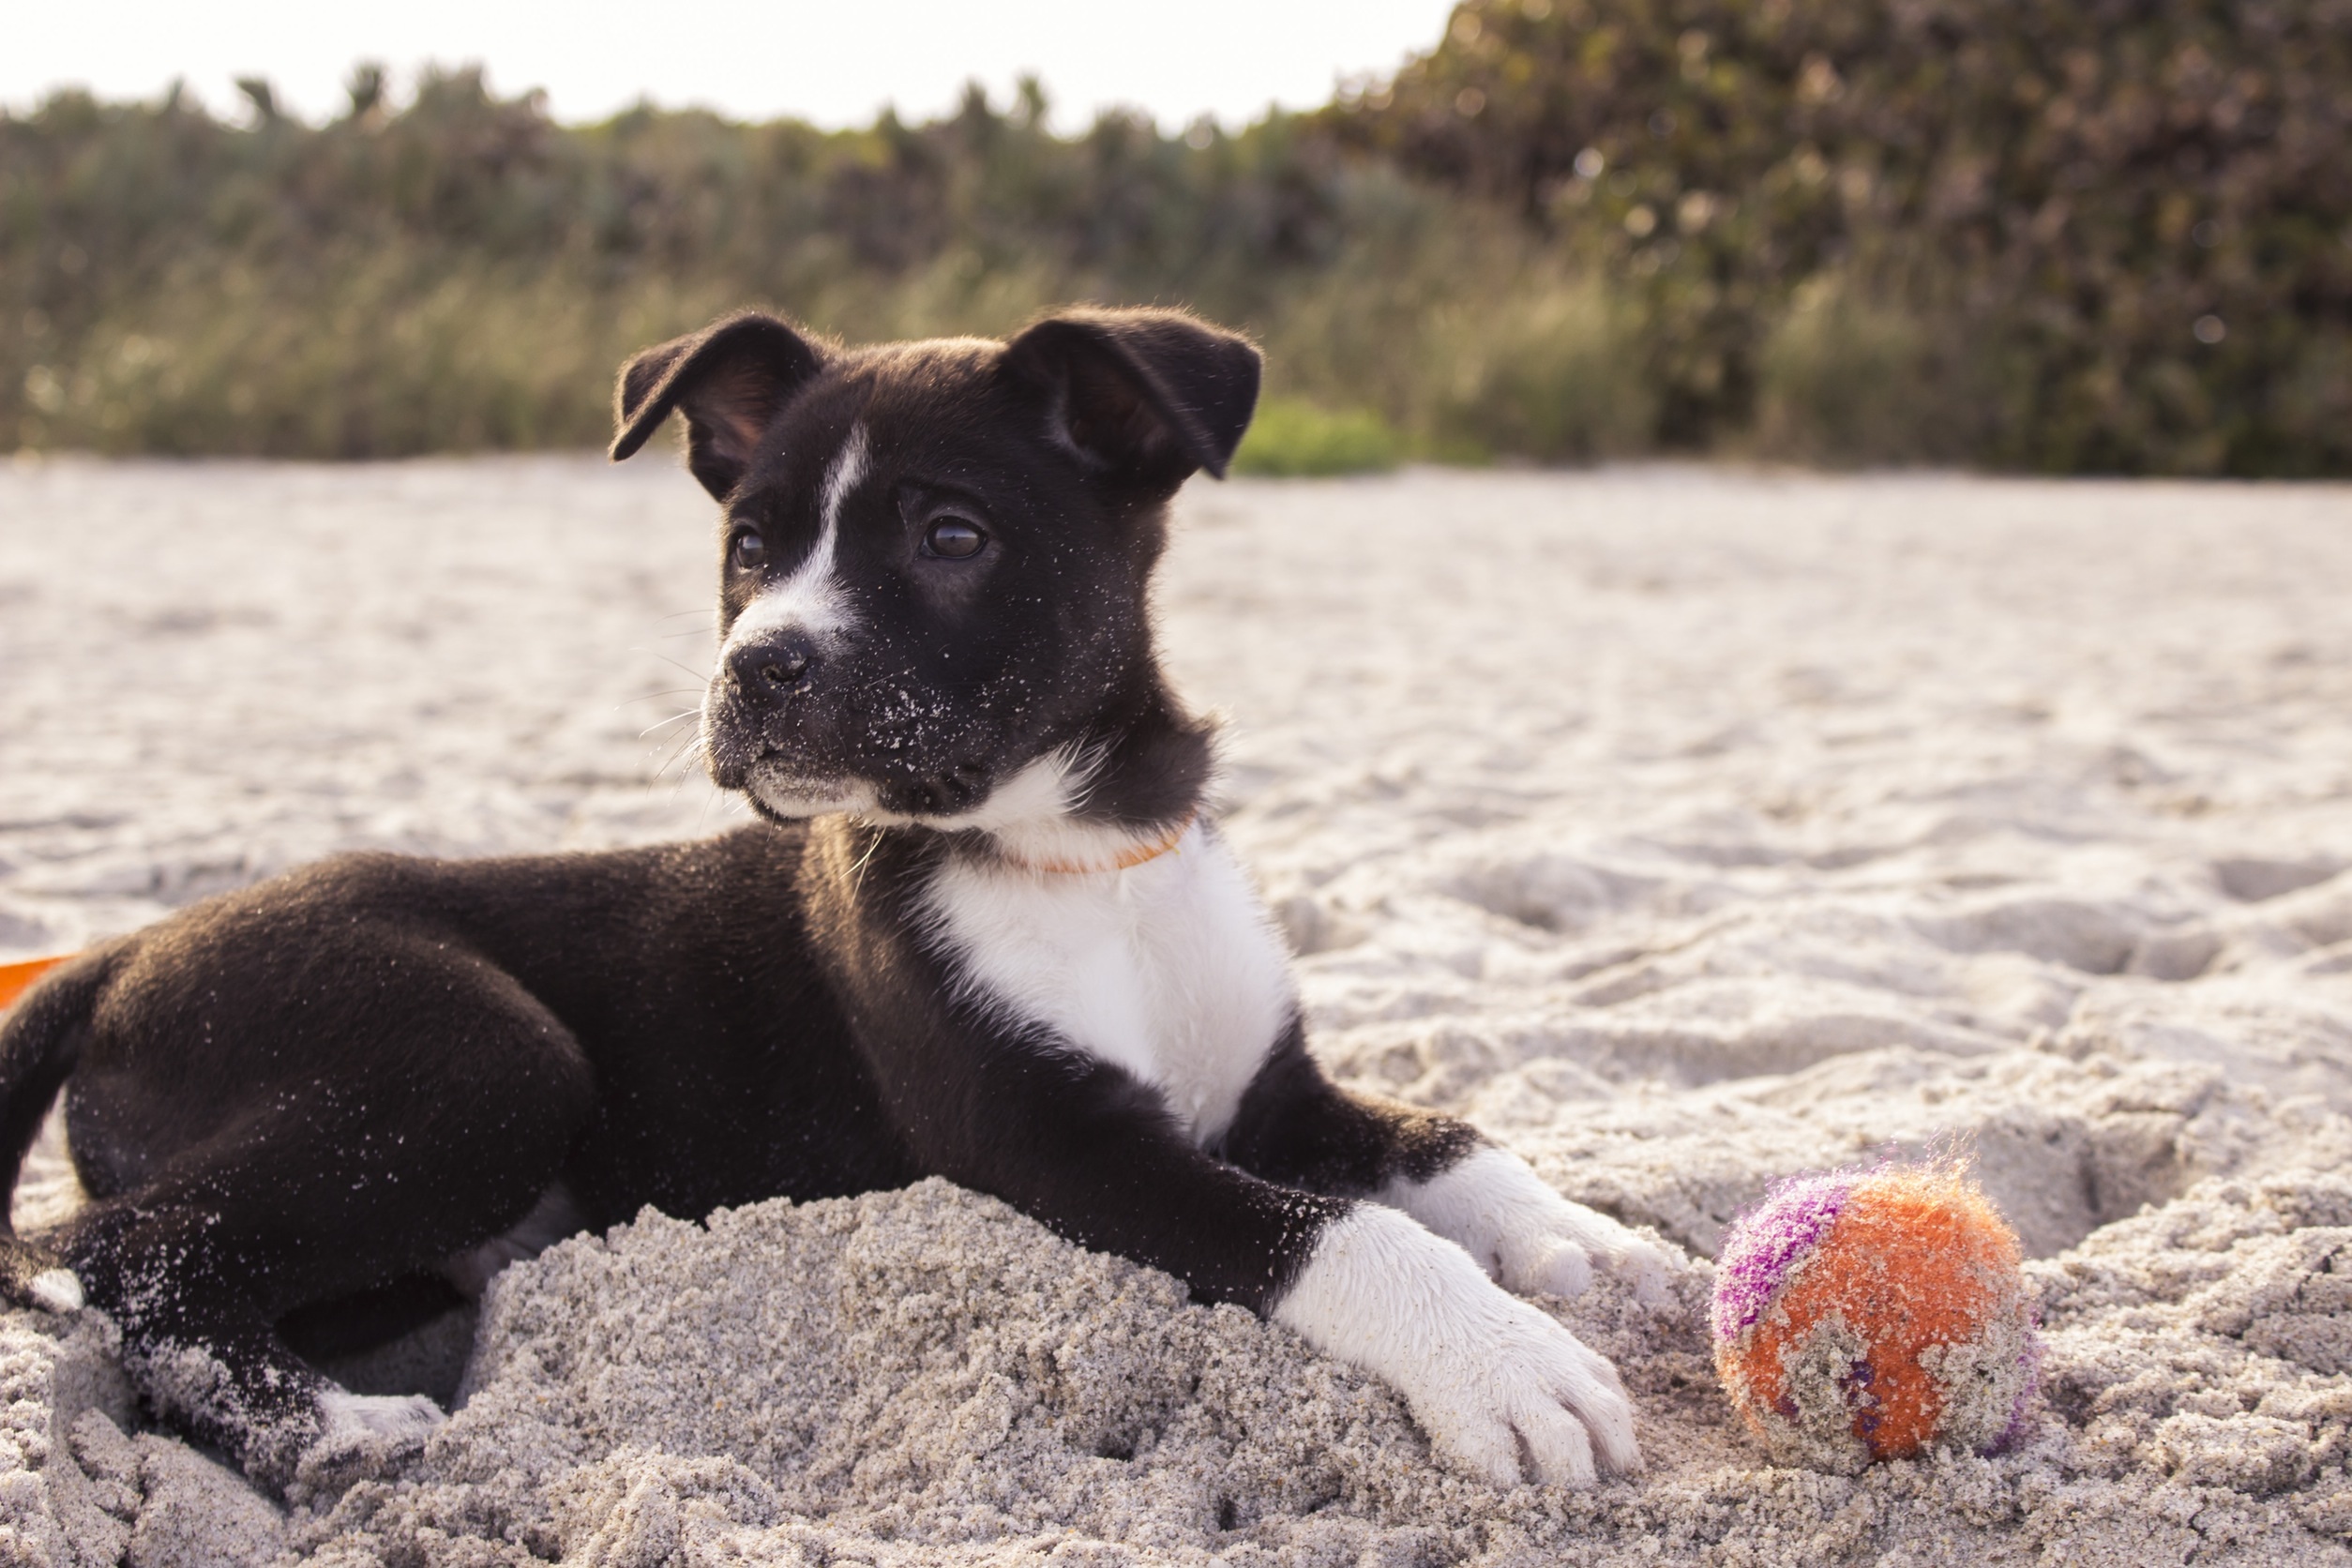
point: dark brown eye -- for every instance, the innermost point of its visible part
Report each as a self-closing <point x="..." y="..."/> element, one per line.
<point x="953" y="538"/>
<point x="748" y="550"/>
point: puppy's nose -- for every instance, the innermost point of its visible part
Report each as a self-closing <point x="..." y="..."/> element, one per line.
<point x="772" y="666"/>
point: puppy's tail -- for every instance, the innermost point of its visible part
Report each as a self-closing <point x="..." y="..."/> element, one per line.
<point x="41" y="1040"/>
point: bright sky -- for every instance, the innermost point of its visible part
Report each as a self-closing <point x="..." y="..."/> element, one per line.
<point x="835" y="63"/>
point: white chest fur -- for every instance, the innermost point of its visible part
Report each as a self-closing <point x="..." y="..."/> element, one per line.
<point x="1169" y="968"/>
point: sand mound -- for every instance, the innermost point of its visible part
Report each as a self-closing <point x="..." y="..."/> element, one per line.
<point x="926" y="1376"/>
<point x="1682" y="830"/>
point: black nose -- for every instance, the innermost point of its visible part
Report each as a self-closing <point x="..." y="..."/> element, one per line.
<point x="771" y="667"/>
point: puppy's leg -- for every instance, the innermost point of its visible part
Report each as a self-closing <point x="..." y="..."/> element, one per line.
<point x="447" y="1116"/>
<point x="1093" y="1153"/>
<point x="1523" y="1233"/>
<point x="1296" y="1126"/>
<point x="203" y="1352"/>
<point x="1486" y="1374"/>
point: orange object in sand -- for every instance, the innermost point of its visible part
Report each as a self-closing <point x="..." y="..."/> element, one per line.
<point x="1863" y="1316"/>
<point x="17" y="978"/>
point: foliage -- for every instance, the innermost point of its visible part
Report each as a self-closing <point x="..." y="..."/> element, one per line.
<point x="1545" y="375"/>
<point x="1844" y="380"/>
<point x="465" y="273"/>
<point x="2114" y="235"/>
<point x="2123" y="228"/>
<point x="1293" y="438"/>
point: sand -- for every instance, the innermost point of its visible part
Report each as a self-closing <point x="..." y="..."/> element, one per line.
<point x="1682" y="828"/>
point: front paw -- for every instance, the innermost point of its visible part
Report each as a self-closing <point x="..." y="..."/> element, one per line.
<point x="1489" y="1378"/>
<point x="1532" y="1389"/>
<point x="1528" y="1236"/>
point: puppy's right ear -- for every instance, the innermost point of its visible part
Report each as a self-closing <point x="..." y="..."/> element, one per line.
<point x="728" y="380"/>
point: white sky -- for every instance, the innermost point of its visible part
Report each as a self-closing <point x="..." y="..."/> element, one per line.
<point x="835" y="63"/>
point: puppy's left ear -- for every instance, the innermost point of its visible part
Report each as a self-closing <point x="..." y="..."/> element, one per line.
<point x="730" y="380"/>
<point x="1150" y="394"/>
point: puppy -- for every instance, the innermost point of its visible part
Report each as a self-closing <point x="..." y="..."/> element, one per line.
<point x="984" y="929"/>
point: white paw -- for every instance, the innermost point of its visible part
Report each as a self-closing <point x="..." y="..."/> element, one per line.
<point x="397" y="1419"/>
<point x="362" y="1434"/>
<point x="1488" y="1377"/>
<point x="56" y="1291"/>
<point x="1525" y="1234"/>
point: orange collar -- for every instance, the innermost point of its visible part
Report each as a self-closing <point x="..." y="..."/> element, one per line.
<point x="1127" y="861"/>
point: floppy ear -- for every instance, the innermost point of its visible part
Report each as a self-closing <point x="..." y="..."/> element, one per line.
<point x="1149" y="394"/>
<point x="729" y="379"/>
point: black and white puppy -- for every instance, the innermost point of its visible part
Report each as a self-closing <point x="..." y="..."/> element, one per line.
<point x="983" y="931"/>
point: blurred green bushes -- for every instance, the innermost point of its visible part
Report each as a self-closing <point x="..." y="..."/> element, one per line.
<point x="2111" y="236"/>
<point x="1554" y="373"/>
<point x="1293" y="438"/>
<point x="464" y="272"/>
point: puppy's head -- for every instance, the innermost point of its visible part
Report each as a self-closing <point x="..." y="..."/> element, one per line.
<point x="935" y="557"/>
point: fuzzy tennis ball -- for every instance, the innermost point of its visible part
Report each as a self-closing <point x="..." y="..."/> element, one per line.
<point x="1870" y="1315"/>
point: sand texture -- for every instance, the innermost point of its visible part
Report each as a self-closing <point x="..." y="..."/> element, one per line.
<point x="1683" y="829"/>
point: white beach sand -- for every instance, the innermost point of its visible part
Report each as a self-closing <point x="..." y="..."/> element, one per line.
<point x="1680" y="828"/>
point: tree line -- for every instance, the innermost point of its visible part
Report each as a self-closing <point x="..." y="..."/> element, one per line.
<point x="2109" y="236"/>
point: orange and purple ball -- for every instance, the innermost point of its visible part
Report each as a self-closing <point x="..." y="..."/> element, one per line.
<point x="1872" y="1315"/>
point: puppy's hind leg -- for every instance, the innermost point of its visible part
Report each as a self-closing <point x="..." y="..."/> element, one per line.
<point x="408" y="1155"/>
<point x="199" y="1348"/>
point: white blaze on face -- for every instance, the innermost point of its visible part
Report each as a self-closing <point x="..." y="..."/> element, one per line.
<point x="811" y="600"/>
